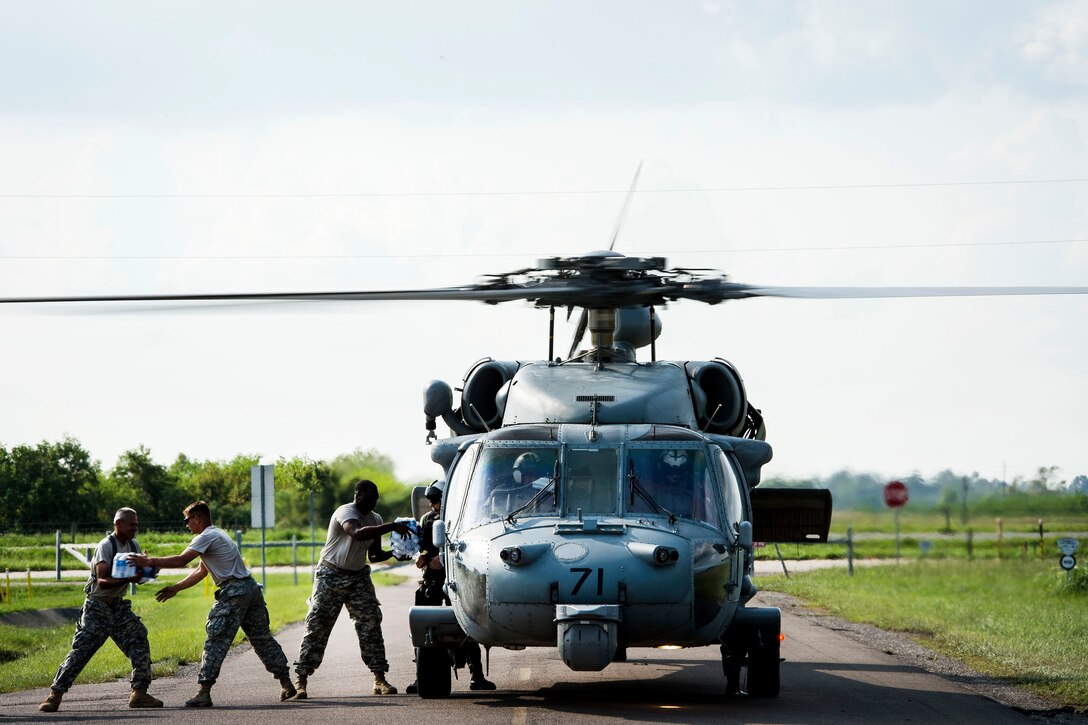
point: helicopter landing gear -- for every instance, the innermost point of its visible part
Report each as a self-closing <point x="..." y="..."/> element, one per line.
<point x="753" y="643"/>
<point x="433" y="673"/>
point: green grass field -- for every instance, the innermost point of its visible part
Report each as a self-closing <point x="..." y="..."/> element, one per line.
<point x="30" y="657"/>
<point x="1022" y="621"/>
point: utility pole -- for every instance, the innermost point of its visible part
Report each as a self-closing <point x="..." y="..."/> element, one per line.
<point x="963" y="515"/>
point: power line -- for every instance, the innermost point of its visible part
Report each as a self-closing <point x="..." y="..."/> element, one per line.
<point x="551" y="192"/>
<point x="492" y="255"/>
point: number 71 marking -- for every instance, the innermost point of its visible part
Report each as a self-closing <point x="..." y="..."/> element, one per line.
<point x="585" y="572"/>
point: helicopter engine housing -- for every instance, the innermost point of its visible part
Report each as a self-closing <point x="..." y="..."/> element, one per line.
<point x="721" y="403"/>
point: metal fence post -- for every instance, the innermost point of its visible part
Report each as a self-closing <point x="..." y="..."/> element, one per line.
<point x="294" y="555"/>
<point x="58" y="555"/>
<point x="850" y="551"/>
<point x="970" y="545"/>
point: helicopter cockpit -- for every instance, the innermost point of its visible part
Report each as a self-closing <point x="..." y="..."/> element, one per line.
<point x="678" y="481"/>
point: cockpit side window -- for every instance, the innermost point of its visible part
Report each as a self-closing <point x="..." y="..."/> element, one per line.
<point x="506" y="478"/>
<point x="673" y="481"/>
<point x="734" y="507"/>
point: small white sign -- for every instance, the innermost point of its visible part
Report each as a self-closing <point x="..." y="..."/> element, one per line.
<point x="257" y="475"/>
<point x="1068" y="546"/>
<point x="1067" y="562"/>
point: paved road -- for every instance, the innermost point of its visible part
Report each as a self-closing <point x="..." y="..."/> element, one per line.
<point x="828" y="677"/>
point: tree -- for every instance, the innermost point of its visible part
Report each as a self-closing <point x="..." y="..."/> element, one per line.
<point x="154" y="489"/>
<point x="50" y="483"/>
<point x="1079" y="484"/>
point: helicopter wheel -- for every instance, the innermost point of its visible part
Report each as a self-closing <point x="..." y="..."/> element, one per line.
<point x="763" y="672"/>
<point x="433" y="678"/>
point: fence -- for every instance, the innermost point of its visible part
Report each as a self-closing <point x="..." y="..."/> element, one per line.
<point x="83" y="553"/>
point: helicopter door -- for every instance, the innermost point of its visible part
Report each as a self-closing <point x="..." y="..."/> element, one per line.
<point x="735" y="512"/>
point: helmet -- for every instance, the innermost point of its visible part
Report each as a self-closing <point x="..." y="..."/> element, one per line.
<point x="674" y="462"/>
<point x="527" y="468"/>
<point x="433" y="493"/>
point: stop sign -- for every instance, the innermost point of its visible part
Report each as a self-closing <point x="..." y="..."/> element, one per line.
<point x="896" y="494"/>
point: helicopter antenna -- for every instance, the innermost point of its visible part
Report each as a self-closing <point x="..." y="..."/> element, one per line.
<point x="710" y="419"/>
<point x="480" y="417"/>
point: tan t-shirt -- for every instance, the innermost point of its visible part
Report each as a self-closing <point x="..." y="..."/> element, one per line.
<point x="341" y="550"/>
<point x="219" y="554"/>
<point x="104" y="552"/>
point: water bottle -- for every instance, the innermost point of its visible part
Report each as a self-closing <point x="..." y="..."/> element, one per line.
<point x="122" y="569"/>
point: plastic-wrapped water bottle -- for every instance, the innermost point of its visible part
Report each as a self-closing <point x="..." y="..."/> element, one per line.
<point x="405" y="547"/>
<point x="148" y="574"/>
<point x="122" y="569"/>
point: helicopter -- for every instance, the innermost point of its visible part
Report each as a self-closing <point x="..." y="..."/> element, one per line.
<point x="603" y="501"/>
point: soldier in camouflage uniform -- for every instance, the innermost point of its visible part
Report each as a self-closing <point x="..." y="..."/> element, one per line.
<point x="343" y="579"/>
<point x="107" y="614"/>
<point x="239" y="603"/>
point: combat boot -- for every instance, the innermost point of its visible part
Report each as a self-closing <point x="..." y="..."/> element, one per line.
<point x="288" y="690"/>
<point x="140" y="698"/>
<point x="478" y="681"/>
<point x="51" y="703"/>
<point x="300" y="687"/>
<point x="202" y="698"/>
<point x="381" y="687"/>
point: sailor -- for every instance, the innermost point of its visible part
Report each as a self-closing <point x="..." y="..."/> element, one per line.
<point x="431" y="594"/>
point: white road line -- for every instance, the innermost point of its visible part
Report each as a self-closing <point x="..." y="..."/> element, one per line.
<point x="525" y="674"/>
<point x="521" y="714"/>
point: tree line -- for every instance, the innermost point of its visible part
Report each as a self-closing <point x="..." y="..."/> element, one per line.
<point x="1042" y="493"/>
<point x="59" y="484"/>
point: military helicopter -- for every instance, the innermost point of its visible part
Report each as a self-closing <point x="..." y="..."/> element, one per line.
<point x="599" y="501"/>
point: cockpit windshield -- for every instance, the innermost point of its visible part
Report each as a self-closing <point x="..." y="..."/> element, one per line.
<point x="510" y="479"/>
<point x="672" y="481"/>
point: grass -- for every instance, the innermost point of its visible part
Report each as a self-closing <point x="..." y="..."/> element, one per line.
<point x="1021" y="621"/>
<point x="30" y="657"/>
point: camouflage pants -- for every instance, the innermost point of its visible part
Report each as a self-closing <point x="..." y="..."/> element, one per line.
<point x="100" y="620"/>
<point x="332" y="591"/>
<point x="239" y="603"/>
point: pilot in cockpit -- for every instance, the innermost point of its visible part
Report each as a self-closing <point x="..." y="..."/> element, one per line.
<point x="528" y="476"/>
<point x="673" y="489"/>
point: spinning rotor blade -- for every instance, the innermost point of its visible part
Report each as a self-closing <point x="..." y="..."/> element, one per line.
<point x="851" y="293"/>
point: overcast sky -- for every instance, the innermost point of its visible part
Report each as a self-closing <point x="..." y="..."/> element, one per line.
<point x="235" y="147"/>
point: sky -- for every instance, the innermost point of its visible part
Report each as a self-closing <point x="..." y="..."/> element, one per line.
<point x="151" y="148"/>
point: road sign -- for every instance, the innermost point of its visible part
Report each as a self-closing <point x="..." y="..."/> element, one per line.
<point x="896" y="494"/>
<point x="1067" y="562"/>
<point x="1068" y="546"/>
<point x="262" y="493"/>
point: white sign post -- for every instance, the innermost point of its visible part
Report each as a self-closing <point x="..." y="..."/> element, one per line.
<point x="262" y="504"/>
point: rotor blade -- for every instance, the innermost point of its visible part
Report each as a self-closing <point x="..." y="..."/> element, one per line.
<point x="626" y="206"/>
<point x="846" y="293"/>
<point x="579" y="333"/>
<point x="479" y="294"/>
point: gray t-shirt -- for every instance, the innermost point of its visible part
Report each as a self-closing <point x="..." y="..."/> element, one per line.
<point x="104" y="552"/>
<point x="220" y="554"/>
<point x="341" y="550"/>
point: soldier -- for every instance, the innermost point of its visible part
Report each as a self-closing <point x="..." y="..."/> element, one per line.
<point x="105" y="614"/>
<point x="343" y="579"/>
<point x="430" y="593"/>
<point x="239" y="602"/>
